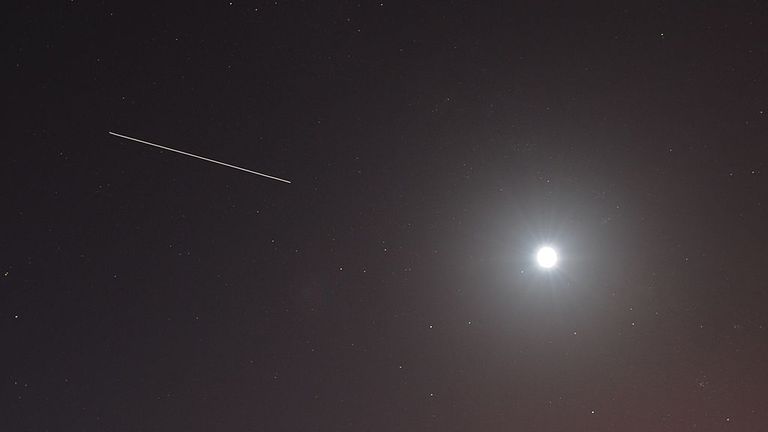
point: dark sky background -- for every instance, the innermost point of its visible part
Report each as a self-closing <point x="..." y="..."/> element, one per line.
<point x="432" y="146"/>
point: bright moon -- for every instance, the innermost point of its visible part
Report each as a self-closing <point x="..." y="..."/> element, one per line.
<point x="546" y="257"/>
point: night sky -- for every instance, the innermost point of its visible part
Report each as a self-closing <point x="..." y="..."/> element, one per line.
<point x="432" y="148"/>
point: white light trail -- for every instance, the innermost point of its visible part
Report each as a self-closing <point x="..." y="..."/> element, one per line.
<point x="199" y="157"/>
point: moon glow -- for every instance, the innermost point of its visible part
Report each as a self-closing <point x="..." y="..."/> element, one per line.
<point x="546" y="257"/>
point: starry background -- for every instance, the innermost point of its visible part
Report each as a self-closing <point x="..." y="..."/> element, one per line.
<point x="432" y="147"/>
